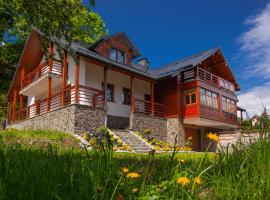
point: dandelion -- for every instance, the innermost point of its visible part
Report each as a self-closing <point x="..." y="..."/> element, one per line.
<point x="134" y="189"/>
<point x="124" y="170"/>
<point x="133" y="175"/>
<point x="183" y="161"/>
<point x="213" y="137"/>
<point x="183" y="180"/>
<point x="197" y="181"/>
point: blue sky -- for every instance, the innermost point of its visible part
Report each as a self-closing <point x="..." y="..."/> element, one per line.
<point x="165" y="31"/>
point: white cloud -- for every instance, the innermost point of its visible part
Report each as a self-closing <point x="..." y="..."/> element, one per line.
<point x="255" y="44"/>
<point x="255" y="54"/>
<point x="255" y="99"/>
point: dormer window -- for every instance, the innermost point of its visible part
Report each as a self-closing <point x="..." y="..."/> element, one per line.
<point x="117" y="55"/>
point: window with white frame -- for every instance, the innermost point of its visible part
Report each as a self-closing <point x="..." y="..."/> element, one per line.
<point x="228" y="105"/>
<point x="208" y="98"/>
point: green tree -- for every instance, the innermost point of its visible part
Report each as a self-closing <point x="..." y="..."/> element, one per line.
<point x="62" y="19"/>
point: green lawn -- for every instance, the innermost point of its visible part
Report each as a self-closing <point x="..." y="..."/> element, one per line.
<point x="58" y="172"/>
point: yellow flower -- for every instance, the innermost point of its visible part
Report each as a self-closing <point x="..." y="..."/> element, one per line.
<point x="133" y="175"/>
<point x="134" y="189"/>
<point x="183" y="180"/>
<point x="124" y="170"/>
<point x="183" y="161"/>
<point x="197" y="181"/>
<point x="213" y="137"/>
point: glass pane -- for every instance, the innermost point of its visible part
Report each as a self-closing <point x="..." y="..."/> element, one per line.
<point x="214" y="95"/>
<point x="202" y="91"/>
<point x="208" y="93"/>
<point x="113" y="54"/>
<point x="121" y="57"/>
<point x="193" y="98"/>
<point x="187" y="99"/>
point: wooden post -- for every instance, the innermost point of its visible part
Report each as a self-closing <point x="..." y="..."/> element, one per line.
<point x="132" y="95"/>
<point x="50" y="78"/>
<point x="14" y="103"/>
<point x="241" y="117"/>
<point x="21" y="107"/>
<point x="178" y="96"/>
<point x="105" y="88"/>
<point x="152" y="99"/>
<point x="77" y="76"/>
<point x="64" y="78"/>
<point x="21" y="97"/>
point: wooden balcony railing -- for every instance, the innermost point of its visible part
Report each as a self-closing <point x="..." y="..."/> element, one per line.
<point x="41" y="70"/>
<point x="86" y="96"/>
<point x="144" y="107"/>
<point x="201" y="74"/>
<point x="216" y="115"/>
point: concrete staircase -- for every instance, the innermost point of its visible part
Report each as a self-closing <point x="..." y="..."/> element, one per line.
<point x="136" y="143"/>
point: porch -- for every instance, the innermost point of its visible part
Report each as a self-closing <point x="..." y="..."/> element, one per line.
<point x="54" y="85"/>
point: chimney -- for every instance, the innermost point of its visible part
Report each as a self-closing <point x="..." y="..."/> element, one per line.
<point x="144" y="63"/>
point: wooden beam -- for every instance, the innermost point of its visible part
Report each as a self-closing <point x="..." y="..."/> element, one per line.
<point x="64" y="78"/>
<point x="105" y="88"/>
<point x="21" y="107"/>
<point x="152" y="98"/>
<point x="77" y="80"/>
<point x="178" y="96"/>
<point x="22" y="75"/>
<point x="15" y="91"/>
<point x="132" y="96"/>
<point x="50" y="78"/>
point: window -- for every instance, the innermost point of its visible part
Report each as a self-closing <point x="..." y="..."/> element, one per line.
<point x="226" y="85"/>
<point x="127" y="94"/>
<point x="116" y="55"/>
<point x="110" y="92"/>
<point x="190" y="97"/>
<point x="228" y="105"/>
<point x="208" y="98"/>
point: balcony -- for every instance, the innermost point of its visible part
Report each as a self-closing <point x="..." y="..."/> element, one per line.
<point x="144" y="107"/>
<point x="86" y="96"/>
<point x="203" y="75"/>
<point x="36" y="81"/>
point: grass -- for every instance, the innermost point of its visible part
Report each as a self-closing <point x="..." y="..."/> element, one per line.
<point x="53" y="172"/>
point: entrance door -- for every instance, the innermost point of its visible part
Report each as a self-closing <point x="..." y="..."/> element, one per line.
<point x="195" y="136"/>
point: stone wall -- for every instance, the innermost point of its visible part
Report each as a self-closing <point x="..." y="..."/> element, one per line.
<point x="116" y="122"/>
<point x="157" y="125"/>
<point x="175" y="128"/>
<point x="88" y="118"/>
<point x="62" y="120"/>
<point x="71" y="119"/>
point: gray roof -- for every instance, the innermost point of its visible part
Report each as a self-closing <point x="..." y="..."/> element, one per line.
<point x="131" y="68"/>
<point x="161" y="72"/>
<point x="177" y="66"/>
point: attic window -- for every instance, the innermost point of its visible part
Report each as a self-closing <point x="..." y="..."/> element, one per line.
<point x="117" y="55"/>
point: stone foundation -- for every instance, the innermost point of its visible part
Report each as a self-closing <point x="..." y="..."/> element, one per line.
<point x="88" y="118"/>
<point x="175" y="128"/>
<point x="71" y="119"/>
<point x="157" y="125"/>
<point x="116" y="122"/>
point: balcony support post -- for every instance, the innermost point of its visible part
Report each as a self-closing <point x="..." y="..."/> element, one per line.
<point x="77" y="77"/>
<point x="64" y="78"/>
<point x="105" y="88"/>
<point x="50" y="78"/>
<point x="132" y="95"/>
<point x="21" y="97"/>
<point x="14" y="103"/>
<point x="152" y="99"/>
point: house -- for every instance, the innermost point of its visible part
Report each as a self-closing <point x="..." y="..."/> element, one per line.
<point x="189" y="97"/>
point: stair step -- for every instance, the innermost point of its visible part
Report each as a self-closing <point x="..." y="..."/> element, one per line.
<point x="136" y="144"/>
